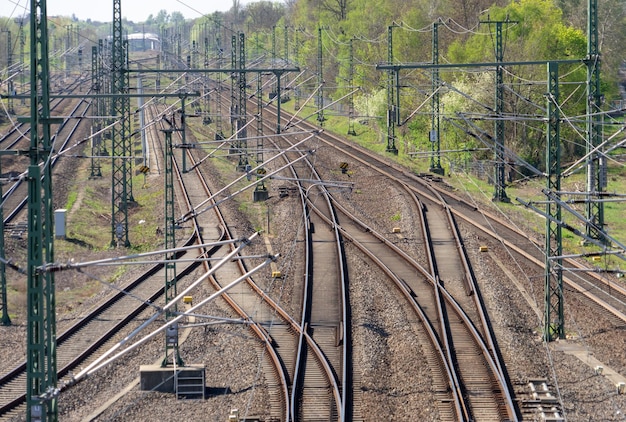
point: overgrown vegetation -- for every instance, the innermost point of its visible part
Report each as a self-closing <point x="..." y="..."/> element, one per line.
<point x="304" y="32"/>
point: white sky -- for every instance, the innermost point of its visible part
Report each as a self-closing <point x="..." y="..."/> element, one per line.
<point x="133" y="10"/>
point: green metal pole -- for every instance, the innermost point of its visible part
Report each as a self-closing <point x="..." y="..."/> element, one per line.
<point x="219" y="133"/>
<point x="171" y="337"/>
<point x="179" y="53"/>
<point x="6" y="320"/>
<point x="41" y="381"/>
<point x="22" y="59"/>
<point x="296" y="55"/>
<point x="596" y="163"/>
<point x="37" y="409"/>
<point x="96" y="170"/>
<point x="499" y="193"/>
<point x="286" y="43"/>
<point x="182" y="130"/>
<point x="554" y="325"/>
<point x="127" y="127"/>
<point x="320" y="79"/>
<point x="278" y="74"/>
<point x="234" y="107"/>
<point x="9" y="64"/>
<point x="435" y="141"/>
<point x="499" y="183"/>
<point x="351" y="130"/>
<point x="274" y="53"/>
<point x="241" y="120"/>
<point x="206" y="120"/>
<point x="260" y="190"/>
<point x="119" y="149"/>
<point x="392" y="111"/>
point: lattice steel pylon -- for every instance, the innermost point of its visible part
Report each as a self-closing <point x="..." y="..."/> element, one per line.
<point x="171" y="337"/>
<point x="10" y="89"/>
<point x="41" y="362"/>
<point x="121" y="194"/>
<point x="596" y="163"/>
<point x="6" y="320"/>
<point x="351" y="130"/>
<point x="296" y="58"/>
<point x="435" y="157"/>
<point x="206" y="97"/>
<point x="242" y="119"/>
<point x="274" y="90"/>
<point x="392" y="107"/>
<point x="499" y="182"/>
<point x="96" y="139"/>
<point x="219" y="132"/>
<point x="234" y="106"/>
<point x="260" y="191"/>
<point x="553" y="316"/>
<point x="126" y="124"/>
<point x="320" y="79"/>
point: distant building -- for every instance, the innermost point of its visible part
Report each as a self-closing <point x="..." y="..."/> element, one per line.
<point x="144" y="41"/>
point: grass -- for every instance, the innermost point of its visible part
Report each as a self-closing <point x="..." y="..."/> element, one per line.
<point x="69" y="298"/>
<point x="90" y="224"/>
<point x="71" y="200"/>
<point x="88" y="237"/>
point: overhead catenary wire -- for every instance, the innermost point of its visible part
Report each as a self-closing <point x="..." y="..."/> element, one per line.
<point x="101" y="362"/>
<point x="479" y="134"/>
<point x="195" y="212"/>
<point x="181" y="2"/>
<point x="54" y="267"/>
<point x="103" y="358"/>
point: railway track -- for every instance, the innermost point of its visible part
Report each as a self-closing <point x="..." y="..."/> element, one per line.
<point x="473" y="387"/>
<point x="323" y="387"/>
<point x="84" y="338"/>
<point x="456" y="276"/>
<point x="266" y="319"/>
<point x="20" y="130"/>
<point x="594" y="286"/>
<point x="86" y="341"/>
<point x="290" y="342"/>
<point x="475" y="383"/>
<point x="307" y="357"/>
<point x="463" y="390"/>
<point x="488" y="395"/>
<point x="307" y="361"/>
<point x="15" y="197"/>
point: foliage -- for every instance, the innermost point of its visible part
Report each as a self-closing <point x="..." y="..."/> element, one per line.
<point x="263" y="15"/>
<point x="534" y="30"/>
<point x="374" y="104"/>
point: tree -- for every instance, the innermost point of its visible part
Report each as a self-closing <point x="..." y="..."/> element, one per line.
<point x="162" y="17"/>
<point x="338" y="9"/>
<point x="177" y="19"/>
<point x="535" y="32"/>
<point x="236" y="12"/>
<point x="263" y="15"/>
